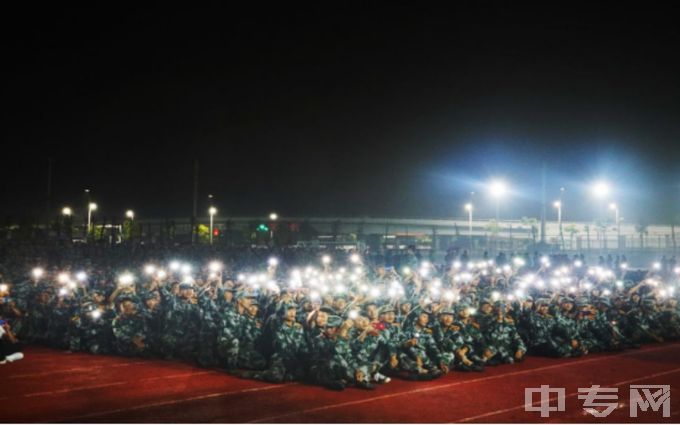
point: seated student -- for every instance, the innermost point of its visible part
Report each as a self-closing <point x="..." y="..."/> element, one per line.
<point x="10" y="348"/>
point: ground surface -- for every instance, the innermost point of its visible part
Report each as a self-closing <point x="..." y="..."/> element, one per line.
<point x="52" y="386"/>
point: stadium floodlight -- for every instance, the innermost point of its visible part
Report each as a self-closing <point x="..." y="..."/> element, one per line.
<point x="498" y="189"/>
<point x="601" y="189"/>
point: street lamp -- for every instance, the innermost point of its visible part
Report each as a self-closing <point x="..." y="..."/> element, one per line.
<point x="497" y="189"/>
<point x="212" y="211"/>
<point x="468" y="208"/>
<point x="558" y="205"/>
<point x="66" y="211"/>
<point x="130" y="214"/>
<point x="90" y="207"/>
<point x="273" y="217"/>
<point x="617" y="220"/>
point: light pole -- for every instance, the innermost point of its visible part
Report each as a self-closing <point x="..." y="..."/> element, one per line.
<point x="90" y="207"/>
<point x="130" y="214"/>
<point x="273" y="217"/>
<point x="497" y="188"/>
<point x="468" y="208"/>
<point x="617" y="220"/>
<point x="558" y="205"/>
<point x="212" y="211"/>
<point x="66" y="212"/>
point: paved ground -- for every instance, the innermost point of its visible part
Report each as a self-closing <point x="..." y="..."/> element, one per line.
<point x="52" y="386"/>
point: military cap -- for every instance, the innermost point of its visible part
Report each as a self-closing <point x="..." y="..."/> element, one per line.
<point x="127" y="296"/>
<point x="243" y="294"/>
<point x="328" y="310"/>
<point x="334" y="321"/>
<point x="386" y="309"/>
<point x="447" y="310"/>
<point x="186" y="285"/>
<point x="545" y="301"/>
<point x="566" y="299"/>
<point x="583" y="301"/>
<point x="604" y="301"/>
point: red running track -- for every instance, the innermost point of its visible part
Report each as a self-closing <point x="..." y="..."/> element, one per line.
<point x="52" y="386"/>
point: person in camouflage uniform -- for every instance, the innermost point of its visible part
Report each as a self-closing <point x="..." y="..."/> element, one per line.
<point x="249" y="357"/>
<point x="639" y="326"/>
<point x="207" y="350"/>
<point x="62" y="310"/>
<point x="567" y="327"/>
<point x="38" y="316"/>
<point x="508" y="345"/>
<point x="182" y="324"/>
<point x="229" y="328"/>
<point x="419" y="356"/>
<point x="330" y="354"/>
<point x="669" y="319"/>
<point x="447" y="336"/>
<point x="369" y="352"/>
<point x="91" y="327"/>
<point x="391" y="334"/>
<point x="543" y="338"/>
<point x="153" y="314"/>
<point x="289" y="348"/>
<point x="474" y="351"/>
<point x="129" y="328"/>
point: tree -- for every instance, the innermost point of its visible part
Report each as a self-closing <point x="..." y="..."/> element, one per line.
<point x="533" y="224"/>
<point x="573" y="231"/>
<point x="642" y="228"/>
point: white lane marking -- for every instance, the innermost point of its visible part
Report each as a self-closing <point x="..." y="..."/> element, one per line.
<point x="453" y="384"/>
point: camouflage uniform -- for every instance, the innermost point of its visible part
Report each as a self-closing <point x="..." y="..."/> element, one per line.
<point x="125" y="329"/>
<point x="329" y="359"/>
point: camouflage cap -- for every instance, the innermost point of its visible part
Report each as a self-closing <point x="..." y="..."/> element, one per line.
<point x="328" y="310"/>
<point x="447" y="310"/>
<point x="334" y="321"/>
<point x="386" y="309"/>
<point x="543" y="301"/>
<point x="583" y="301"/>
<point x="244" y="294"/>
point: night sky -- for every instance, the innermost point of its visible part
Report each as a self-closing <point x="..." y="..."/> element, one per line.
<point x="380" y="109"/>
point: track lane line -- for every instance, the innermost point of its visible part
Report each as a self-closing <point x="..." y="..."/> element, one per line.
<point x="176" y="401"/>
<point x="73" y="370"/>
<point x="581" y="361"/>
<point x="618" y="384"/>
<point x="112" y="384"/>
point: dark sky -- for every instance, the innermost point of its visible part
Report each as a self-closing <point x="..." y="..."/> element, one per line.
<point x="380" y="109"/>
